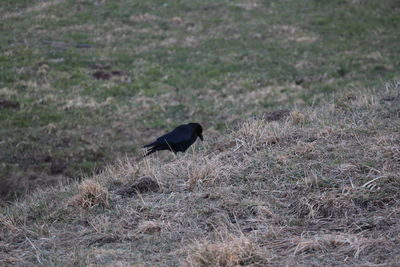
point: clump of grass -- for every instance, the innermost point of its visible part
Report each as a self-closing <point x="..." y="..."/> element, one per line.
<point x="91" y="194"/>
<point x="297" y="117"/>
<point x="208" y="170"/>
<point x="10" y="227"/>
<point x="306" y="150"/>
<point x="253" y="130"/>
<point x="331" y="204"/>
<point x="343" y="243"/>
<point x="263" y="211"/>
<point x="196" y="168"/>
<point x="234" y="251"/>
<point x="154" y="226"/>
<point x="254" y="134"/>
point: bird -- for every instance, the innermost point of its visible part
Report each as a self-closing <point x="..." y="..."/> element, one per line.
<point x="178" y="140"/>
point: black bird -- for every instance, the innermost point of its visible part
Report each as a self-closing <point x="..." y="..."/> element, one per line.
<point x="180" y="139"/>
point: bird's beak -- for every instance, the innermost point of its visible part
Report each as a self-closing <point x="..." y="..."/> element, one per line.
<point x="201" y="137"/>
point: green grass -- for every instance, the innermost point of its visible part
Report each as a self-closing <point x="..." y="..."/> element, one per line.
<point x="206" y="61"/>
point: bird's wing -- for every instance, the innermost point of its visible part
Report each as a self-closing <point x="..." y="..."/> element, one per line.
<point x="151" y="144"/>
<point x="158" y="142"/>
<point x="179" y="135"/>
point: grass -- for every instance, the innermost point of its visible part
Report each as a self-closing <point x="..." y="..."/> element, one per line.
<point x="166" y="63"/>
<point x="301" y="157"/>
<point x="291" y="191"/>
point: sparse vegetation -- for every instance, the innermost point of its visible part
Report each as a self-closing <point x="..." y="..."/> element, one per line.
<point x="301" y="159"/>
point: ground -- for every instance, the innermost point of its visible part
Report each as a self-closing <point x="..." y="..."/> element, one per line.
<point x="300" y="105"/>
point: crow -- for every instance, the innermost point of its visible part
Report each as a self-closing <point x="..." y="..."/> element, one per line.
<point x="180" y="139"/>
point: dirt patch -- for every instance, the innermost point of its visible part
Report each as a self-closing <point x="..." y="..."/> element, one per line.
<point x="277" y="114"/>
<point x="105" y="239"/>
<point x="4" y="103"/>
<point x="106" y="75"/>
<point x="15" y="185"/>
<point x="142" y="185"/>
<point x="102" y="75"/>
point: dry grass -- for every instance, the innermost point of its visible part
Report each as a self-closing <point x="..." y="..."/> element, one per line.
<point x="331" y="204"/>
<point x="297" y="117"/>
<point x="192" y="169"/>
<point x="233" y="251"/>
<point x="255" y="134"/>
<point x="91" y="194"/>
<point x="81" y="102"/>
<point x="35" y="8"/>
<point x="150" y="227"/>
<point x="348" y="244"/>
<point x="298" y="190"/>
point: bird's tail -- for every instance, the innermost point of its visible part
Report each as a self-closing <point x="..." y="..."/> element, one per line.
<point x="148" y="145"/>
<point x="150" y="151"/>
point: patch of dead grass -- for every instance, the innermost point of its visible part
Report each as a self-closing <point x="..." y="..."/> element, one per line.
<point x="195" y="169"/>
<point x="86" y="102"/>
<point x="297" y="117"/>
<point x="8" y="92"/>
<point x="278" y="92"/>
<point x="255" y="134"/>
<point x="306" y="150"/>
<point x="35" y="8"/>
<point x="343" y="243"/>
<point x="211" y="169"/>
<point x="249" y="5"/>
<point x="292" y="33"/>
<point x="150" y="227"/>
<point x="10" y="225"/>
<point x="146" y="17"/>
<point x="91" y="194"/>
<point x="339" y="203"/>
<point x="234" y="251"/>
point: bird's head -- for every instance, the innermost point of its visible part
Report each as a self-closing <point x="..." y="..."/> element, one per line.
<point x="199" y="130"/>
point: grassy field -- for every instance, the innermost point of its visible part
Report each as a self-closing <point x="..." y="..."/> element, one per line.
<point x="84" y="84"/>
<point x="318" y="187"/>
<point x="91" y="81"/>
